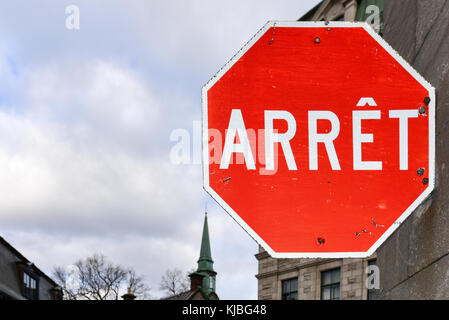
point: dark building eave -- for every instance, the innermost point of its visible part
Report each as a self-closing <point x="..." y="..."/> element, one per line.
<point x="26" y="261"/>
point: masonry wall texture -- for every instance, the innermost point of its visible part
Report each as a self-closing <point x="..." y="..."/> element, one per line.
<point x="272" y="272"/>
<point x="414" y="261"/>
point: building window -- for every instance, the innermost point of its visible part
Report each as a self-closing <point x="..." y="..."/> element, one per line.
<point x="290" y="289"/>
<point x="330" y="284"/>
<point x="372" y="292"/>
<point x="369" y="11"/>
<point x="30" y="287"/>
<point x="211" y="283"/>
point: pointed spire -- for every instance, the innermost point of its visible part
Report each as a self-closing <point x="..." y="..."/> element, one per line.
<point x="205" y="262"/>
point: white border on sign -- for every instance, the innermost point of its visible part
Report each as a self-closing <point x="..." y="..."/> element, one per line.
<point x="397" y="57"/>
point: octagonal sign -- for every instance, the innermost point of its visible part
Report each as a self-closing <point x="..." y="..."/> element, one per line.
<point x="318" y="139"/>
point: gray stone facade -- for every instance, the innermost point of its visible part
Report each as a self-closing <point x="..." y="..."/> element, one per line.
<point x="272" y="272"/>
<point x="414" y="261"/>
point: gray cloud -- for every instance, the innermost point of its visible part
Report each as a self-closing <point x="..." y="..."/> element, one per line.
<point x="85" y="120"/>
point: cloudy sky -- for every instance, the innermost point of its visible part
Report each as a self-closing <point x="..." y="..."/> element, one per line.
<point x="86" y="118"/>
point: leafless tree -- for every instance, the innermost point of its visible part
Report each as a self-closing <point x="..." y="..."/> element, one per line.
<point x="95" y="278"/>
<point x="174" y="282"/>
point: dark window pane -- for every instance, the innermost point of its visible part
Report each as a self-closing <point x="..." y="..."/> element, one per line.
<point x="326" y="278"/>
<point x="363" y="14"/>
<point x="326" y="294"/>
<point x="335" y="274"/>
<point x="336" y="292"/>
<point x="30" y="287"/>
<point x="290" y="289"/>
<point x="330" y="284"/>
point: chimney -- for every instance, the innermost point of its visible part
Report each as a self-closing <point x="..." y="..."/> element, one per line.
<point x="56" y="293"/>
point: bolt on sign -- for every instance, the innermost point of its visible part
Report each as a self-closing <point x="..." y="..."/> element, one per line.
<point x="318" y="139"/>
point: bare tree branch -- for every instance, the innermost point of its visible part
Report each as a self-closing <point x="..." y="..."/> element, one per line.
<point x="95" y="278"/>
<point x="174" y="282"/>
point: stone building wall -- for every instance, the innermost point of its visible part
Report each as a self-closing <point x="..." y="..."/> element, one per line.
<point x="272" y="272"/>
<point x="414" y="261"/>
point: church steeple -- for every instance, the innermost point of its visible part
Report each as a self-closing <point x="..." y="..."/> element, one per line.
<point x="205" y="262"/>
<point x="204" y="277"/>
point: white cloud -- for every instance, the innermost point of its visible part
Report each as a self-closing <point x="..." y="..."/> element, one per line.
<point x="85" y="120"/>
<point x="94" y="95"/>
<point x="212" y="31"/>
<point x="63" y="187"/>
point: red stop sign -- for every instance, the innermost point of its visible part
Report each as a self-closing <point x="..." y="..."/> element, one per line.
<point x="318" y="139"/>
